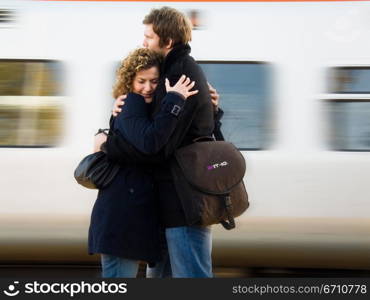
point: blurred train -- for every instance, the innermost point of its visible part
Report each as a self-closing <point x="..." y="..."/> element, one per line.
<point x="294" y="80"/>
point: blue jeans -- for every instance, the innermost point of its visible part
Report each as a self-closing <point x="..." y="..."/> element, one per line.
<point x="118" y="267"/>
<point x="189" y="253"/>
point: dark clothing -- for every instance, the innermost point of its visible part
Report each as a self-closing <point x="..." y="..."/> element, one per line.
<point x="135" y="124"/>
<point x="217" y="132"/>
<point x="124" y="220"/>
<point x="196" y="120"/>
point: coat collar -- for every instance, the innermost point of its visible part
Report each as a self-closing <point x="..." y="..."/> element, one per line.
<point x="177" y="52"/>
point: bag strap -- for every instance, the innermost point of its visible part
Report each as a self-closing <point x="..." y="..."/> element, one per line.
<point x="230" y="223"/>
<point x="105" y="131"/>
<point x="203" y="139"/>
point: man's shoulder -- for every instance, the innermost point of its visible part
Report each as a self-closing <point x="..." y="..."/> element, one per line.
<point x="189" y="62"/>
<point x="188" y="66"/>
<point x="184" y="62"/>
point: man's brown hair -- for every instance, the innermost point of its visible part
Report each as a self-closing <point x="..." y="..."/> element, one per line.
<point x="168" y="23"/>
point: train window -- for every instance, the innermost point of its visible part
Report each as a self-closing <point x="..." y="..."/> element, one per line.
<point x="6" y="16"/>
<point x="354" y="80"/>
<point x="31" y="106"/>
<point x="349" y="124"/>
<point x="244" y="96"/>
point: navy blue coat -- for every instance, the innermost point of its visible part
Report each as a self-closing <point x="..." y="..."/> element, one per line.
<point x="124" y="220"/>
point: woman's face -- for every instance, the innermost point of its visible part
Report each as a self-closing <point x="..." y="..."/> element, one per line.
<point x="145" y="82"/>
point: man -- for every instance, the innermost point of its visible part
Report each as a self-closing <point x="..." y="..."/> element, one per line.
<point x="189" y="246"/>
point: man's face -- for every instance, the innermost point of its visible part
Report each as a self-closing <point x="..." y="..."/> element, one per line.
<point x="151" y="40"/>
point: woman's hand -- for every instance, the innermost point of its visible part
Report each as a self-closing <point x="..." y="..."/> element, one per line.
<point x="118" y="104"/>
<point x="215" y="97"/>
<point x="182" y="86"/>
<point x="99" y="140"/>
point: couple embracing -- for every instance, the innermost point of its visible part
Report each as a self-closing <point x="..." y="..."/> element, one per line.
<point x="167" y="104"/>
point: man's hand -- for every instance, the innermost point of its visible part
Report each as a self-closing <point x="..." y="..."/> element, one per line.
<point x="118" y="104"/>
<point x="182" y="86"/>
<point x="99" y="139"/>
<point x="215" y="97"/>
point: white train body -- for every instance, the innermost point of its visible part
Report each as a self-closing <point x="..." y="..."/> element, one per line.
<point x="310" y="203"/>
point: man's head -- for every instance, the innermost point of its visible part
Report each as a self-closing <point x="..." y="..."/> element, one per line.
<point x="165" y="28"/>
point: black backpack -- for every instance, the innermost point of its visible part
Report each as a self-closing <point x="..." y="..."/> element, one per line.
<point x="210" y="174"/>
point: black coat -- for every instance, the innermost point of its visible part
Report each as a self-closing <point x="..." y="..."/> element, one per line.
<point x="196" y="120"/>
<point x="124" y="220"/>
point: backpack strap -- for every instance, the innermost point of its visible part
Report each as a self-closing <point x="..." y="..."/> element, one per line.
<point x="230" y="223"/>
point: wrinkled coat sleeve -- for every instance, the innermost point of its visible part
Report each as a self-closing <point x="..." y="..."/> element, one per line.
<point x="136" y="137"/>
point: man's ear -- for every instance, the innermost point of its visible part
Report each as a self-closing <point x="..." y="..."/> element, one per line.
<point x="169" y="44"/>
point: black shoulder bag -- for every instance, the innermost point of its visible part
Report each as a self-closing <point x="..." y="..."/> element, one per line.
<point x="95" y="171"/>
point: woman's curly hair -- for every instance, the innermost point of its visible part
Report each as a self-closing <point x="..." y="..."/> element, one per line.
<point x="138" y="60"/>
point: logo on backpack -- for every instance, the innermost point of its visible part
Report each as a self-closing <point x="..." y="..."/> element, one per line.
<point x="216" y="166"/>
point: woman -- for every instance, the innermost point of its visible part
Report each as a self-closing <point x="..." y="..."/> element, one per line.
<point x="124" y="224"/>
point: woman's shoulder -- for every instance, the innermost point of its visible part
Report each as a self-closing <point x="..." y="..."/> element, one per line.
<point x="133" y="96"/>
<point x="134" y="104"/>
<point x="134" y="100"/>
